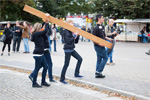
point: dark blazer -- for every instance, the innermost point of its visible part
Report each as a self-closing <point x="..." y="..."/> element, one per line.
<point x="8" y="34"/>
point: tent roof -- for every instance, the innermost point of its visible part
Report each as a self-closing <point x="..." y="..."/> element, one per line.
<point x="12" y="22"/>
<point x="132" y="21"/>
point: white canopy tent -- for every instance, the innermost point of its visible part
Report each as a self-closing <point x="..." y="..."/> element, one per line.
<point x="132" y="28"/>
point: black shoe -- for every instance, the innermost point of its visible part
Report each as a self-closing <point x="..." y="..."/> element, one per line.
<point x="30" y="78"/>
<point x="100" y="76"/>
<point x="36" y="85"/>
<point x="97" y="73"/>
<point x="1" y="54"/>
<point x="147" y="53"/>
<point x="8" y="54"/>
<point x="45" y="84"/>
<point x="52" y="81"/>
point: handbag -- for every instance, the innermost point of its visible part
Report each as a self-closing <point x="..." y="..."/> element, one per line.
<point x="3" y="38"/>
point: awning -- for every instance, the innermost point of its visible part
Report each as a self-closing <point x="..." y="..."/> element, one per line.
<point x="132" y="21"/>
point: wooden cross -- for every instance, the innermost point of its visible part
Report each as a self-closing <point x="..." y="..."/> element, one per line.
<point x="68" y="27"/>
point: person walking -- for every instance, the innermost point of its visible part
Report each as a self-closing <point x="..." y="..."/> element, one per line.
<point x="89" y="31"/>
<point x="38" y="54"/>
<point x="47" y="54"/>
<point x="8" y="34"/>
<point x="25" y="36"/>
<point x="62" y="34"/>
<point x="110" y="31"/>
<point x="99" y="31"/>
<point x="84" y="29"/>
<point x="17" y="37"/>
<point x="53" y="36"/>
<point x="143" y="33"/>
<point x="69" y="46"/>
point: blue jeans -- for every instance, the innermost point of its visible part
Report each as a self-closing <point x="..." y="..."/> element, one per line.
<point x="26" y="45"/>
<point x="49" y="43"/>
<point x="67" y="61"/>
<point x="50" y="64"/>
<point x="82" y="38"/>
<point x="54" y="44"/>
<point x="144" y="39"/>
<point x="39" y="63"/>
<point x="101" y="58"/>
<point x="16" y="39"/>
<point x="110" y="55"/>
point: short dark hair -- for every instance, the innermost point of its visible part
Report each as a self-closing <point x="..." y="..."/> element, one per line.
<point x="98" y="16"/>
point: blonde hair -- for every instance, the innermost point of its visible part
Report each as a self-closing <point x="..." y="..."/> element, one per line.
<point x="36" y="27"/>
<point x="111" y="20"/>
<point x="69" y="21"/>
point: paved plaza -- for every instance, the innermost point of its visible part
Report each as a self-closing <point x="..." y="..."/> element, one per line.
<point x="130" y="74"/>
<point x="16" y="86"/>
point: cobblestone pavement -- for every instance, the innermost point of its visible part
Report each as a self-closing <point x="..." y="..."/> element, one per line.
<point x="130" y="73"/>
<point x="16" y="86"/>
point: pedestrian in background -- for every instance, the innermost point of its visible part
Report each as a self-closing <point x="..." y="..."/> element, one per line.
<point x="17" y="37"/>
<point x="143" y="33"/>
<point x="69" y="45"/>
<point x="110" y="31"/>
<point x="62" y="34"/>
<point x="8" y="34"/>
<point x="89" y="31"/>
<point x="25" y="36"/>
<point x="83" y="28"/>
<point x="53" y="36"/>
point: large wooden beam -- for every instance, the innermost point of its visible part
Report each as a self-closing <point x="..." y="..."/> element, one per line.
<point x="67" y="26"/>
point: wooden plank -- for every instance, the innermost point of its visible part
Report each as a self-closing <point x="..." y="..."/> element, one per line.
<point x="68" y="27"/>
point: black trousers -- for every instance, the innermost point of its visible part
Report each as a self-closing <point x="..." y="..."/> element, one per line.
<point x="67" y="61"/>
<point x="16" y="40"/>
<point x="5" y="46"/>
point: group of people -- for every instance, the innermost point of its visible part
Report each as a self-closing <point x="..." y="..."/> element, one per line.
<point x="22" y="32"/>
<point x="84" y="29"/>
<point x="16" y="34"/>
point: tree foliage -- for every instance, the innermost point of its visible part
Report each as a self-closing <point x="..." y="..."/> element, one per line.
<point x="131" y="9"/>
<point x="13" y="9"/>
<point x="60" y="8"/>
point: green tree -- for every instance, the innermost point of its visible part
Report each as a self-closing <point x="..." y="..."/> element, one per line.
<point x="13" y="10"/>
<point x="60" y="8"/>
<point x="123" y="8"/>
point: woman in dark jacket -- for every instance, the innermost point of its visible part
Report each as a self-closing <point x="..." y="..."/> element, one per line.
<point x="69" y="45"/>
<point x="38" y="54"/>
<point x="8" y="34"/>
